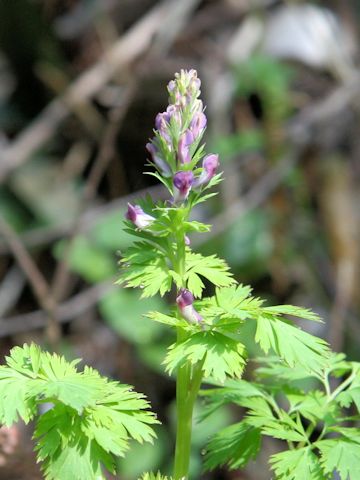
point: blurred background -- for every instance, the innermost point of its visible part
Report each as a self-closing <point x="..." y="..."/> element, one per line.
<point x="80" y="84"/>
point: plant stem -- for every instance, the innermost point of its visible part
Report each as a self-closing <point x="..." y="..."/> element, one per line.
<point x="187" y="384"/>
<point x="187" y="388"/>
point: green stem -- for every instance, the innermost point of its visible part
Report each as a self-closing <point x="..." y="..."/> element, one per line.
<point x="341" y="387"/>
<point x="187" y="384"/>
<point x="187" y="388"/>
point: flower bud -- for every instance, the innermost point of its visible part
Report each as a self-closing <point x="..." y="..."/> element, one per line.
<point x="185" y="141"/>
<point x="210" y="165"/>
<point x="161" y="125"/>
<point x="174" y="112"/>
<point x="182" y="185"/>
<point x="198" y="124"/>
<point x="138" y="217"/>
<point x="185" y="301"/>
<point x="161" y="164"/>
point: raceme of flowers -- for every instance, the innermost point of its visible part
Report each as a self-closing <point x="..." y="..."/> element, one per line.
<point x="176" y="153"/>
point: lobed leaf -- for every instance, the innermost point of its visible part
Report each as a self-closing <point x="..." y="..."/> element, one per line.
<point x="293" y="345"/>
<point x="299" y="464"/>
<point x="234" y="447"/>
<point x="222" y="355"/>
<point x="341" y="455"/>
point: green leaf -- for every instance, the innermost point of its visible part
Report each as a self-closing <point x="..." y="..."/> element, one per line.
<point x="233" y="447"/>
<point x="341" y="455"/>
<point x="281" y="426"/>
<point x="234" y="391"/>
<point x="91" y="420"/>
<point x="279" y="372"/>
<point x="154" y="476"/>
<point x="171" y="321"/>
<point x="146" y="267"/>
<point x="299" y="464"/>
<point x="299" y="312"/>
<point x="293" y="345"/>
<point x="223" y="355"/>
<point x="229" y="304"/>
<point x="14" y="399"/>
<point x="66" y="452"/>
<point x="212" y="268"/>
<point x="350" y="395"/>
<point x="313" y="406"/>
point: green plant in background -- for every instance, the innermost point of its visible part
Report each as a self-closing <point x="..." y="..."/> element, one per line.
<point x="90" y="419"/>
<point x="267" y="80"/>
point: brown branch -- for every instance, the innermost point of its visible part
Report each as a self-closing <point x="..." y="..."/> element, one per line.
<point x="46" y="235"/>
<point x="101" y="162"/>
<point x="132" y="44"/>
<point x="65" y="312"/>
<point x="36" y="279"/>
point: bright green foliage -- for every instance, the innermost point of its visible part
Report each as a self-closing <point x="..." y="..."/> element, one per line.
<point x="341" y="455"/>
<point x="90" y="420"/>
<point x="147" y="268"/>
<point x="233" y="446"/>
<point x="212" y="268"/>
<point x="222" y="355"/>
<point x="233" y="305"/>
<point x="300" y="464"/>
<point x="306" y="420"/>
<point x="153" y="476"/>
<point x="293" y="345"/>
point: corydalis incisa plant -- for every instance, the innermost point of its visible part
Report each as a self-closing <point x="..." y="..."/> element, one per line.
<point x="210" y="339"/>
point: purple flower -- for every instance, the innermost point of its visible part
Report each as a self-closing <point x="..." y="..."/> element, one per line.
<point x="185" y="302"/>
<point x="161" y="164"/>
<point x="182" y="185"/>
<point x="185" y="141"/>
<point x="198" y="124"/>
<point x="138" y="217"/>
<point x="171" y="86"/>
<point x="161" y="125"/>
<point x="210" y="165"/>
<point x="173" y="111"/>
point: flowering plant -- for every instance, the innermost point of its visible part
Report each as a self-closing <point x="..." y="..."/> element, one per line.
<point x="91" y="419"/>
<point x="211" y="344"/>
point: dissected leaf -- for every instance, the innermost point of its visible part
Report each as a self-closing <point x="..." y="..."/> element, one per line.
<point x="146" y="267"/>
<point x="212" y="268"/>
<point x="223" y="355"/>
<point x="91" y="418"/>
<point x="234" y="446"/>
<point x="293" y="345"/>
<point x="300" y="464"/>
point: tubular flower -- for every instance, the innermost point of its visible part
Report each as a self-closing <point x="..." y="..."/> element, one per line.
<point x="198" y="124"/>
<point x="182" y="185"/>
<point x="210" y="165"/>
<point x="178" y="131"/>
<point x="185" y="301"/>
<point x="184" y="147"/>
<point x="138" y="217"/>
<point x="160" y="163"/>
